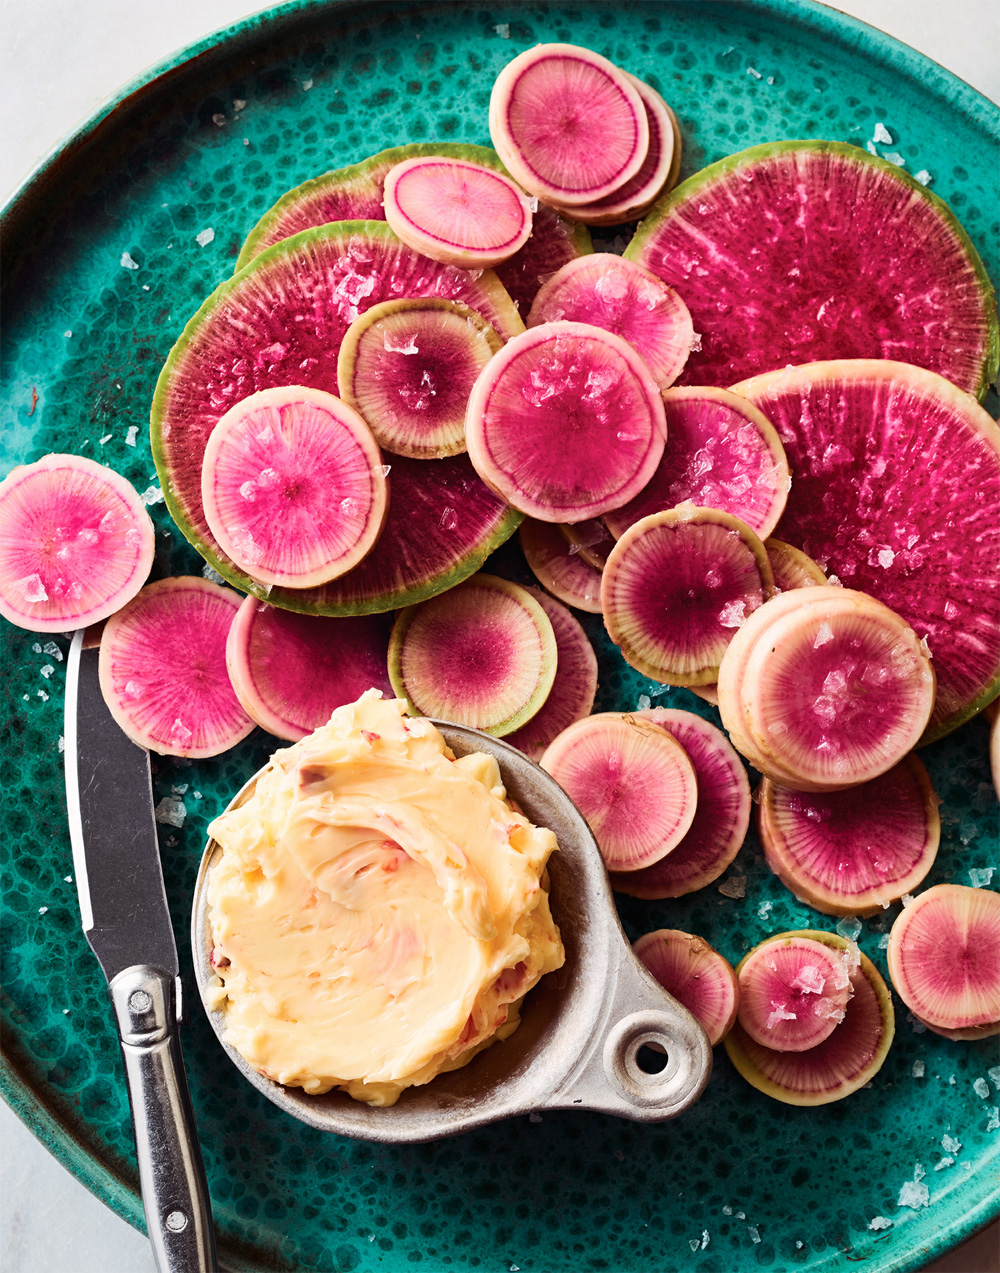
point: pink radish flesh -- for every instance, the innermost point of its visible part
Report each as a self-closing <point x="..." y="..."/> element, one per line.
<point x="632" y="782"/>
<point x="457" y="212"/>
<point x="793" y="993"/>
<point x="944" y="959"/>
<point x="696" y="975"/>
<point x="76" y="543"/>
<point x="853" y="852"/>
<point x="293" y="486"/>
<point x="564" y="573"/>
<point x="721" y="453"/>
<point x="618" y="296"/>
<point x="163" y="668"/>
<point x="721" y="818"/>
<point x="565" y="422"/>
<point x="290" y="671"/>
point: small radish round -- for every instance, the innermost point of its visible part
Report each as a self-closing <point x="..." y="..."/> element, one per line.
<point x="721" y="453"/>
<point x="632" y="782"/>
<point x="456" y="211"/>
<point x="852" y="852"/>
<point x="482" y="654"/>
<point x="290" y="671"/>
<point x="572" y="694"/>
<point x="721" y="819"/>
<point x="614" y="294"/>
<point x="677" y="586"/>
<point x="793" y="993"/>
<point x="944" y="960"/>
<point x="696" y="975"/>
<point x="564" y="573"/>
<point x="408" y="367"/>
<point x="293" y="486"/>
<point x="791" y="567"/>
<point x="589" y="540"/>
<point x="162" y="668"/>
<point x="566" y="422"/>
<point x="844" y="1062"/>
<point x="76" y="543"/>
<point x="568" y="124"/>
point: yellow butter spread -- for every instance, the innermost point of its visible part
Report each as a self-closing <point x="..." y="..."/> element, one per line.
<point x="379" y="909"/>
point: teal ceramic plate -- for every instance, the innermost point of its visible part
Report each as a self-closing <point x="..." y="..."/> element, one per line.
<point x="108" y="251"/>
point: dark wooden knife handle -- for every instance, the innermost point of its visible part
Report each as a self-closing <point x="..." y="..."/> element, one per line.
<point x="171" y="1174"/>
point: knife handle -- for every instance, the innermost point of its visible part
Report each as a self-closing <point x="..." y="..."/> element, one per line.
<point x="171" y="1174"/>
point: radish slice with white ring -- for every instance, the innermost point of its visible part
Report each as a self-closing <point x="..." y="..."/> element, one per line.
<point x="697" y="976"/>
<point x="566" y="574"/>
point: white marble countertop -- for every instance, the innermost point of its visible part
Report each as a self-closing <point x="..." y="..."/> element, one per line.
<point x="59" y="59"/>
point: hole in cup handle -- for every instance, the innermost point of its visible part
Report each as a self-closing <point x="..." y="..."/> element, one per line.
<point x="657" y="1061"/>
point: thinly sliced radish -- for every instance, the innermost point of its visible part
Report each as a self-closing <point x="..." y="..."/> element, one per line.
<point x="564" y="573"/>
<point x="676" y="588"/>
<point x="162" y="668"/>
<point x="944" y="960"/>
<point x="852" y="852"/>
<point x="614" y="294"/>
<point x="290" y="671"/>
<point x="633" y="783"/>
<point x="851" y="1056"/>
<point x="696" y="975"/>
<point x="590" y="540"/>
<point x="572" y="694"/>
<point x="482" y="654"/>
<point x="293" y="486"/>
<point x="721" y="453"/>
<point x="566" y="422"/>
<point x="721" y="818"/>
<point x="455" y="211"/>
<point x="567" y="123"/>
<point x="791" y="567"/>
<point x="793" y="993"/>
<point x="408" y="367"/>
<point x="76" y="543"/>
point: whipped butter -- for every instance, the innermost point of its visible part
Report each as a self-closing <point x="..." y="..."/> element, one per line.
<point x="379" y="908"/>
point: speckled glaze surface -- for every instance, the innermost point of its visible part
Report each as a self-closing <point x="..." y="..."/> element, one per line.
<point x="108" y="251"/>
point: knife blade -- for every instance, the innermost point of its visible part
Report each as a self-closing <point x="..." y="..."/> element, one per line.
<point x="123" y="906"/>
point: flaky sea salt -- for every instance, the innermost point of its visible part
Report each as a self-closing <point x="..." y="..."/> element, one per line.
<point x="152" y="495"/>
<point x="204" y="237"/>
<point x="923" y="176"/>
<point x="994" y="1073"/>
<point x="171" y="812"/>
<point x="946" y="1161"/>
<point x="981" y="1088"/>
<point x="503" y="30"/>
<point x="752" y="70"/>
<point x="913" y="1194"/>
<point x="950" y="1145"/>
<point x="993" y="1124"/>
<point x="849" y="927"/>
<point x="131" y="434"/>
<point x="894" y="157"/>
<point x="754" y="1233"/>
<point x="919" y="1069"/>
<point x="879" y="1222"/>
<point x="735" y="886"/>
<point x="127" y="263"/>
<point x="208" y="572"/>
<point x="980" y="877"/>
<point x="882" y="134"/>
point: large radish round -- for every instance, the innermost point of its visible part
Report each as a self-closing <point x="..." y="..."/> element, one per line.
<point x="290" y="671"/>
<point x="944" y="960"/>
<point x="566" y="422"/>
<point x="793" y="993"/>
<point x="162" y="668"/>
<point x="482" y="654"/>
<point x="565" y="573"/>
<point x="633" y="783"/>
<point x="293" y="486"/>
<point x="852" y="852"/>
<point x="455" y="211"/>
<point x="568" y="124"/>
<point x="76" y="543"/>
<point x="697" y="976"/>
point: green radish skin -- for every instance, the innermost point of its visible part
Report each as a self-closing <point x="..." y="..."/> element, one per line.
<point x="162" y="668"/>
<point x="791" y="567"/>
<point x="482" y="654"/>
<point x="793" y="993"/>
<point x="76" y="543"/>
<point x="697" y="976"/>
<point x="564" y="573"/>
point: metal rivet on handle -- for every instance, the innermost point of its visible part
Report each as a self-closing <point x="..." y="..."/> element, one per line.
<point x="140" y="1001"/>
<point x="176" y="1221"/>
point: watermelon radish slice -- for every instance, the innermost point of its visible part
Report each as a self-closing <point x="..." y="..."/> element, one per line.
<point x="632" y="781"/>
<point x="572" y="694"/>
<point x="162" y="668"/>
<point x="76" y="543"/>
<point x="697" y="976"/>
<point x="408" y="368"/>
<point x="847" y="1060"/>
<point x="722" y="453"/>
<point x="797" y="251"/>
<point x="355" y="194"/>
<point x="291" y="671"/>
<point x="608" y="292"/>
<point x="721" y="819"/>
<point x="791" y="567"/>
<point x="589" y="540"/>
<point x="482" y="654"/>
<point x="852" y="852"/>
<point x="944" y="960"/>
<point x="455" y="211"/>
<point x="897" y="483"/>
<point x="565" y="422"/>
<point x="793" y="993"/>
<point x="293" y="486"/>
<point x="676" y="588"/>
<point x="568" y="125"/>
<point x="558" y="568"/>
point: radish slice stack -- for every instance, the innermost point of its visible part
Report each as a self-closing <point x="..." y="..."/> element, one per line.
<point x="566" y="574"/>
<point x="793" y="993"/>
